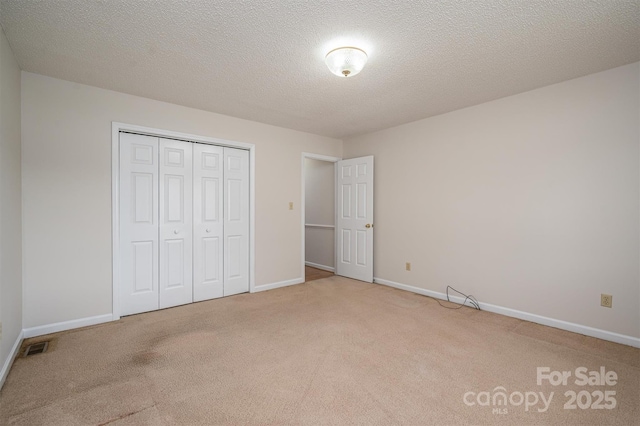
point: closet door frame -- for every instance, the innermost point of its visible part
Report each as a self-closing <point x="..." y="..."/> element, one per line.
<point x="116" y="128"/>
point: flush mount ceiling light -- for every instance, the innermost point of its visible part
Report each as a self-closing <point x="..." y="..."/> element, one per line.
<point x="346" y="61"/>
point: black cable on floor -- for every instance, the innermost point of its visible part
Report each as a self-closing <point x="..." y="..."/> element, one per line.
<point x="472" y="300"/>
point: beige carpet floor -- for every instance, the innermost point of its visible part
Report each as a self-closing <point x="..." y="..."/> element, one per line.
<point x="334" y="351"/>
<point x="312" y="274"/>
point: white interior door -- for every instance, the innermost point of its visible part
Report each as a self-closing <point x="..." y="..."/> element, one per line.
<point x="208" y="222"/>
<point x="138" y="201"/>
<point x="354" y="227"/>
<point x="176" y="223"/>
<point x="236" y="221"/>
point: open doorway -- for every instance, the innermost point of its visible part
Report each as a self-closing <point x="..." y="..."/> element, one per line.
<point x="318" y="216"/>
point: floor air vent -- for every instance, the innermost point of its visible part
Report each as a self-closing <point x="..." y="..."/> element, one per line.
<point x="36" y="348"/>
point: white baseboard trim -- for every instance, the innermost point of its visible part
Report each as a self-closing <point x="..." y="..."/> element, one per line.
<point x="271" y="286"/>
<point x="319" y="266"/>
<point x="551" y="322"/>
<point x="9" y="361"/>
<point x="65" y="325"/>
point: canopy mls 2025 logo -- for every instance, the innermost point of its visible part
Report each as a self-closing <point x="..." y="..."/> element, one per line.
<point x="500" y="400"/>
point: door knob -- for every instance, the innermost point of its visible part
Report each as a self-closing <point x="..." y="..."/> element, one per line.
<point x="176" y="232"/>
<point x="208" y="230"/>
<point x="368" y="225"/>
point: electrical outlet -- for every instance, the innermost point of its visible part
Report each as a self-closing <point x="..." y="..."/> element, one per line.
<point x="407" y="266"/>
<point x="606" y="300"/>
<point x="291" y="205"/>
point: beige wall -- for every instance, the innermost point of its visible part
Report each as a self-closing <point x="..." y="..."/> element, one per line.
<point x="10" y="202"/>
<point x="67" y="190"/>
<point x="319" y="210"/>
<point x="530" y="202"/>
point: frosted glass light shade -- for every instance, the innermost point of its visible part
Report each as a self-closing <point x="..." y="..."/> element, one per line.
<point x="346" y="61"/>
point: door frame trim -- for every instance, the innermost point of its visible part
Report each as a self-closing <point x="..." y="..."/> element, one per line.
<point x="329" y="159"/>
<point x="116" y="128"/>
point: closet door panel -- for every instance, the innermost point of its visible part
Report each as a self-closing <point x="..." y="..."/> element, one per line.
<point x="236" y="221"/>
<point x="138" y="223"/>
<point x="207" y="222"/>
<point x="176" y="223"/>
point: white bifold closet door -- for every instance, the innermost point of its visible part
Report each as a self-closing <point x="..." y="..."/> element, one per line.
<point x="208" y="222"/>
<point x="176" y="223"/>
<point x="221" y="222"/>
<point x="236" y="221"/>
<point x="184" y="222"/>
<point x="139" y="210"/>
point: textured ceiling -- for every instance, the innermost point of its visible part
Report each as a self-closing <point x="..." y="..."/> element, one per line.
<point x="263" y="60"/>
